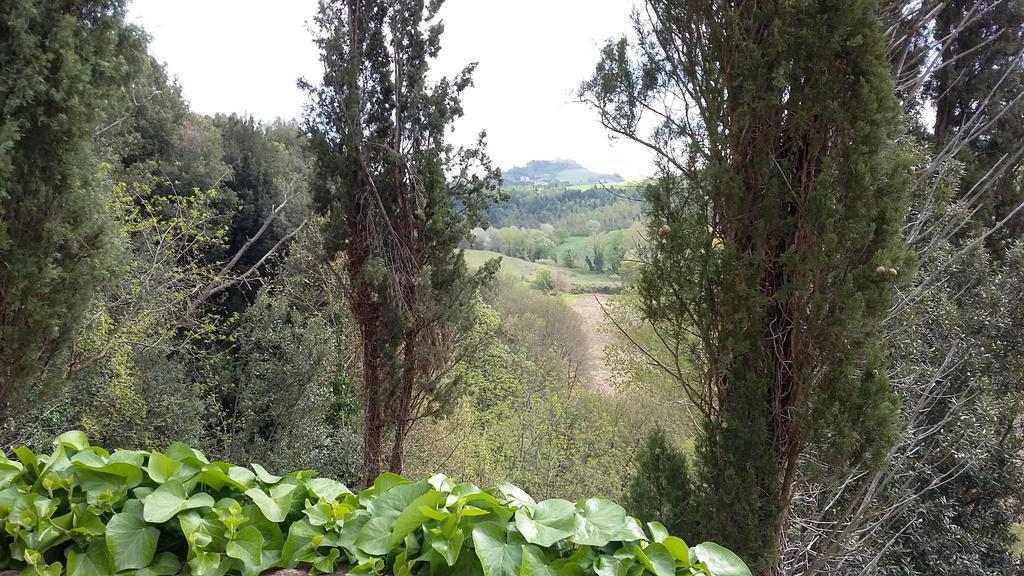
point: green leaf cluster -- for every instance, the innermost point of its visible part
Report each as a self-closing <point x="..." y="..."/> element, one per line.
<point x="95" y="513"/>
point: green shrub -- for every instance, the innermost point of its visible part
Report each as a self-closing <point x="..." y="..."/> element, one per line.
<point x="543" y="280"/>
<point x="660" y="488"/>
<point x="145" y="513"/>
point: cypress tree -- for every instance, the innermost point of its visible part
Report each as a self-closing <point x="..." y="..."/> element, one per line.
<point x="60" y="68"/>
<point x="399" y="199"/>
<point x="777" y="238"/>
<point x="659" y="489"/>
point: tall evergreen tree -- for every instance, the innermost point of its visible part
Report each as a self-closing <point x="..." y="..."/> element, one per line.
<point x="778" y="218"/>
<point x="978" y="93"/>
<point x="399" y="199"/>
<point x="61" y="65"/>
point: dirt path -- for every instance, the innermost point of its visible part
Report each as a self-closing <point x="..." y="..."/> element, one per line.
<point x="598" y="337"/>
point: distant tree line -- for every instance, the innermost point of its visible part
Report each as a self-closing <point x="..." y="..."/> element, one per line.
<point x="568" y="210"/>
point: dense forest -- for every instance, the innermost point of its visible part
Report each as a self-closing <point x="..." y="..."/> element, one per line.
<point x="801" y="337"/>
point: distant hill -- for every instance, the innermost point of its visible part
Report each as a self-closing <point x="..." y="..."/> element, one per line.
<point x="568" y="172"/>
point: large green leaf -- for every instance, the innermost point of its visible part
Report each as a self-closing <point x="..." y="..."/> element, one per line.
<point x="28" y="458"/>
<point x="720" y="561"/>
<point x="414" y="515"/>
<point x="393" y="500"/>
<point x="123" y="464"/>
<point x="187" y="455"/>
<point x="497" y="556"/>
<point x="93" y="561"/>
<point x="612" y="566"/>
<point x="303" y="539"/>
<point x="201" y="530"/>
<point x="73" y="438"/>
<point x="273" y="535"/>
<point x="633" y="530"/>
<point x="354" y="523"/>
<point x="678" y="549"/>
<point x="375" y="536"/>
<point x="131" y="541"/>
<point x="247" y="546"/>
<point x="658" y="530"/>
<point x="264" y="476"/>
<point x="516" y="495"/>
<point x="161" y="468"/>
<point x="277" y="504"/>
<point x="449" y="546"/>
<point x="101" y="487"/>
<point x="548" y="522"/>
<point x="535" y="563"/>
<point x="170" y="499"/>
<point x="598" y="522"/>
<point x="165" y="564"/>
<point x="216" y="475"/>
<point x="326" y="489"/>
<point x="86" y="522"/>
<point x="243" y="476"/>
<point x="325" y="564"/>
<point x="656" y="558"/>
<point x="203" y="563"/>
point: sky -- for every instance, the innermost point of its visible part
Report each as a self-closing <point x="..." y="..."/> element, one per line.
<point x="245" y="56"/>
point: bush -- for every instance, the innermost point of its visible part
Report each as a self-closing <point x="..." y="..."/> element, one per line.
<point x="660" y="488"/>
<point x="144" y="513"/>
<point x="543" y="280"/>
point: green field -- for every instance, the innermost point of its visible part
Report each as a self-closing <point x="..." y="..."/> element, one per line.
<point x="581" y="280"/>
<point x="584" y="245"/>
<point x="580" y="245"/>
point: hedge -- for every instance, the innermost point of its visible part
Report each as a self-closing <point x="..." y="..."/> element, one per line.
<point x="86" y="512"/>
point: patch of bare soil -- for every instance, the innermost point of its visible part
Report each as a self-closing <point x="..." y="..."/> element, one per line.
<point x="596" y="325"/>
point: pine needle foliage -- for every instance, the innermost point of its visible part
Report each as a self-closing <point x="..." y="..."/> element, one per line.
<point x="776" y="228"/>
<point x="61" y="65"/>
<point x="399" y="199"/>
<point x="660" y="487"/>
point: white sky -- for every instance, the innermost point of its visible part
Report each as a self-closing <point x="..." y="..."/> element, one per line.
<point x="245" y="56"/>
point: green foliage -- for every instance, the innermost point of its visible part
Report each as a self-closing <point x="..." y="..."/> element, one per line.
<point x="568" y="259"/>
<point x="286" y="371"/>
<point x="781" y="194"/>
<point x="660" y="487"/>
<point x="61" y="67"/>
<point x="200" y="212"/>
<point x="975" y="91"/>
<point x="147" y="513"/>
<point x="518" y="242"/>
<point x="400" y="200"/>
<point x="955" y="354"/>
<point x="526" y="410"/>
<point x="577" y="281"/>
<point x="1017" y="548"/>
<point x="543" y="280"/>
<point x="568" y="210"/>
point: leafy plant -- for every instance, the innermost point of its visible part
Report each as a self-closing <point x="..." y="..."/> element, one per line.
<point x="96" y="513"/>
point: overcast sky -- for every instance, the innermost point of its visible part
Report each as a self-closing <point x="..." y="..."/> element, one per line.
<point x="245" y="56"/>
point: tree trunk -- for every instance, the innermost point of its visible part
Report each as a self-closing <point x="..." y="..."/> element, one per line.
<point x="372" y="393"/>
<point x="944" y="101"/>
<point x="403" y="414"/>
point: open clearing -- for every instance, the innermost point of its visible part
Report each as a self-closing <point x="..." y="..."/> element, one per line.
<point x="596" y="325"/>
<point x="581" y="280"/>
